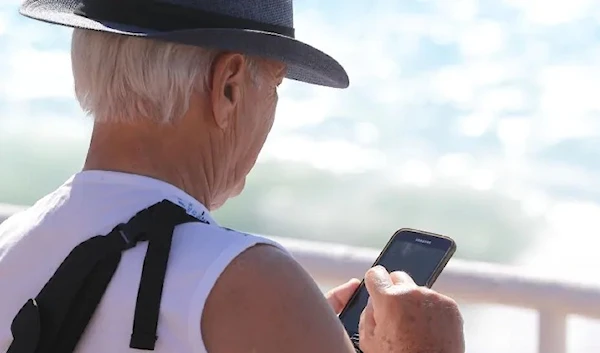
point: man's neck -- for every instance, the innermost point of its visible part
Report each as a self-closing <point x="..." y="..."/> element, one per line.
<point x="147" y="155"/>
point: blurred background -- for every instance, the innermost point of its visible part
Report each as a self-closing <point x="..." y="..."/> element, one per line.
<point x="474" y="119"/>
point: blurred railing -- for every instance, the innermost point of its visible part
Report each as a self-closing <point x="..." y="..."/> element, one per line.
<point x="466" y="281"/>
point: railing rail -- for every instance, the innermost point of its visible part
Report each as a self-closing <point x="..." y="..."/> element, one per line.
<point x="466" y="281"/>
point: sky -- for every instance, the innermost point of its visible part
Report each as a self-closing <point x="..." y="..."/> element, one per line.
<point x="493" y="95"/>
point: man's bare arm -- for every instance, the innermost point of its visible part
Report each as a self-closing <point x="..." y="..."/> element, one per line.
<point x="266" y="302"/>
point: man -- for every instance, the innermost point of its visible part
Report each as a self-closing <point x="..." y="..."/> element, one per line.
<point x="183" y="96"/>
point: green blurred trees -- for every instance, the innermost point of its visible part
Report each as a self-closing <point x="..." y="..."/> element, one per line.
<point x="295" y="200"/>
<point x="292" y="200"/>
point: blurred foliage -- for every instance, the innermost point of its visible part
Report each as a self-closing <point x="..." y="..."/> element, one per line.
<point x="292" y="200"/>
<point x="32" y="167"/>
<point x="295" y="200"/>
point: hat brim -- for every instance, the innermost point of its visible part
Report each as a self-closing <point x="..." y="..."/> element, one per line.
<point x="304" y="62"/>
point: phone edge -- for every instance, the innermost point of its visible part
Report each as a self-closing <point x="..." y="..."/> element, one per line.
<point x="437" y="271"/>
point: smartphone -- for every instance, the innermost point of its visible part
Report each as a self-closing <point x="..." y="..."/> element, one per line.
<point x="421" y="254"/>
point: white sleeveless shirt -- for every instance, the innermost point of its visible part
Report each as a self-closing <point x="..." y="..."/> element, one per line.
<point x="33" y="243"/>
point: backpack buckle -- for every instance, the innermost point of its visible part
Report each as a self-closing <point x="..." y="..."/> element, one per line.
<point x="129" y="237"/>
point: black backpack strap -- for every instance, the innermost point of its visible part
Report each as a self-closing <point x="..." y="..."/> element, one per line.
<point x="55" y="320"/>
<point x="149" y="296"/>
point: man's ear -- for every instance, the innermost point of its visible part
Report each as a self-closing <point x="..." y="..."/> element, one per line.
<point x="226" y="86"/>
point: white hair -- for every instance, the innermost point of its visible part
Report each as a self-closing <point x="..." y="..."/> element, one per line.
<point x="120" y="78"/>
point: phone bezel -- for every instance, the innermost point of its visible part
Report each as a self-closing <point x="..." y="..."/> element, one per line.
<point x="437" y="240"/>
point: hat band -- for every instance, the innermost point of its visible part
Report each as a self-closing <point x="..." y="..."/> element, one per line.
<point x="169" y="17"/>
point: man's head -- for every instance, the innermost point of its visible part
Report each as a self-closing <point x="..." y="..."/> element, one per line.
<point x="194" y="116"/>
<point x="167" y="107"/>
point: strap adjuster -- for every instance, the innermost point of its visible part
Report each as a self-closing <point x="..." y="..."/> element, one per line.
<point x="130" y="239"/>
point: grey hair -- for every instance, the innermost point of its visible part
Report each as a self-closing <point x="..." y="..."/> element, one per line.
<point x="120" y="78"/>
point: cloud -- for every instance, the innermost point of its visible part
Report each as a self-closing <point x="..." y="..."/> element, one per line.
<point x="334" y="155"/>
<point x="483" y="38"/>
<point x="29" y="74"/>
<point x="552" y="12"/>
<point x="568" y="102"/>
<point x="3" y="23"/>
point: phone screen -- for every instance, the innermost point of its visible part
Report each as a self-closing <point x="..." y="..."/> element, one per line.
<point x="419" y="260"/>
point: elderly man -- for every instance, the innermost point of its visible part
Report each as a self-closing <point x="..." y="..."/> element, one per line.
<point x="183" y="95"/>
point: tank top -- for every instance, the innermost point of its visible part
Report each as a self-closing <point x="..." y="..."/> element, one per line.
<point x="34" y="242"/>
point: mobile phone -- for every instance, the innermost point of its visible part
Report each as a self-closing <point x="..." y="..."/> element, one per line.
<point x="422" y="255"/>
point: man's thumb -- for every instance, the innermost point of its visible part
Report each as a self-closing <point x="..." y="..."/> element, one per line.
<point x="377" y="281"/>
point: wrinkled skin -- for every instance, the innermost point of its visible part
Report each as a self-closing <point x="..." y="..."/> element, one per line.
<point x="402" y="317"/>
<point x="211" y="149"/>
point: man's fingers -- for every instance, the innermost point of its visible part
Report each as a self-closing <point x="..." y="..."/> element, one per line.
<point x="377" y="281"/>
<point x="366" y="325"/>
<point x="402" y="278"/>
<point x="369" y="314"/>
<point x="338" y="297"/>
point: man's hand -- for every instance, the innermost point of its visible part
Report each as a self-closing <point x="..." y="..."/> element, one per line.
<point x="402" y="317"/>
<point x="338" y="297"/>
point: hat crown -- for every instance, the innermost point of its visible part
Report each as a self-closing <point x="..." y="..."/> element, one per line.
<point x="274" y="12"/>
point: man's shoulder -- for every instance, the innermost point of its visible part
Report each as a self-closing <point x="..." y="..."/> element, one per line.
<point x="216" y="241"/>
<point x="272" y="304"/>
